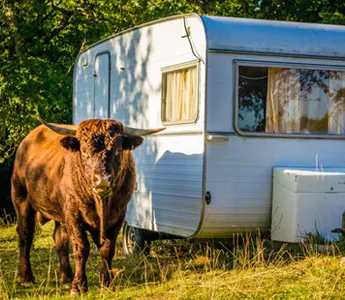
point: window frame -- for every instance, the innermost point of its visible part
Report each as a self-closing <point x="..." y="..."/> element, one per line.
<point x="173" y="68"/>
<point x="266" y="64"/>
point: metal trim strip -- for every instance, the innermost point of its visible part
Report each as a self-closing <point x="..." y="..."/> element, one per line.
<point x="269" y="53"/>
<point x="198" y="132"/>
<point x="204" y="170"/>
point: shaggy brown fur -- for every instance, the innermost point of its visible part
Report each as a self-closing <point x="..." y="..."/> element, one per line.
<point x="55" y="178"/>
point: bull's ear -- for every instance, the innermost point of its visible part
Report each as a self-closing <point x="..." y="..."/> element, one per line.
<point x="70" y="143"/>
<point x="130" y="142"/>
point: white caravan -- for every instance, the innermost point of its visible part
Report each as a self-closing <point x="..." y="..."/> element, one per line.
<point x="241" y="100"/>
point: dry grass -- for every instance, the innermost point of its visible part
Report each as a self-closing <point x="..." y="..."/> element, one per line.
<point x="251" y="270"/>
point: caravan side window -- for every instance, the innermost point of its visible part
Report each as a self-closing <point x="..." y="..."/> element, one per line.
<point x="277" y="100"/>
<point x="180" y="94"/>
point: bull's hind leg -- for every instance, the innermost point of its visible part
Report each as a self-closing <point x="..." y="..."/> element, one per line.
<point x="25" y="230"/>
<point x="62" y="247"/>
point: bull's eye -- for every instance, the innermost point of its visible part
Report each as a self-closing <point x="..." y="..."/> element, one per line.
<point x="98" y="143"/>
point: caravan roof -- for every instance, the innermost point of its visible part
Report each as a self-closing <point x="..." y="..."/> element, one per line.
<point x="274" y="37"/>
<point x="227" y="34"/>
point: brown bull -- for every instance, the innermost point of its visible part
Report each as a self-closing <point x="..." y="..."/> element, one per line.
<point x="82" y="177"/>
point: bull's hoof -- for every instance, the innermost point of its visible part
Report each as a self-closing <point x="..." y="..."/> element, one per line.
<point x="105" y="284"/>
<point x="27" y="281"/>
<point x="77" y="290"/>
<point x="106" y="281"/>
<point x="66" y="280"/>
<point x="27" y="284"/>
<point x="65" y="286"/>
<point x="74" y="293"/>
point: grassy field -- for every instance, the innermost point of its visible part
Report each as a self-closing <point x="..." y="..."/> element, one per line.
<point x="177" y="270"/>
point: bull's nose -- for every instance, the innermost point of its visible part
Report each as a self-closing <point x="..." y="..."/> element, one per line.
<point x="102" y="181"/>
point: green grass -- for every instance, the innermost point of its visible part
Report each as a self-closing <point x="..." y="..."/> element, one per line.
<point x="173" y="271"/>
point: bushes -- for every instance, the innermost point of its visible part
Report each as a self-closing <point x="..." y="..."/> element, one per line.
<point x="6" y="207"/>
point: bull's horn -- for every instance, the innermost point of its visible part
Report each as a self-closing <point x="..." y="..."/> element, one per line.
<point x="142" y="132"/>
<point x="60" y="129"/>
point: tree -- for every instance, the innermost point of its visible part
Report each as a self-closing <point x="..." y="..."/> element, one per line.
<point x="311" y="11"/>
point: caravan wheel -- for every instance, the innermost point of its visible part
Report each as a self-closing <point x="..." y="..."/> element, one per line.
<point x="134" y="241"/>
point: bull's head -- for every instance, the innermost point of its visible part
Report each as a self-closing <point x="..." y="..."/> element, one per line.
<point x="102" y="144"/>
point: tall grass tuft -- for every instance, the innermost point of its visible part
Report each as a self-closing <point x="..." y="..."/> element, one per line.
<point x="7" y="219"/>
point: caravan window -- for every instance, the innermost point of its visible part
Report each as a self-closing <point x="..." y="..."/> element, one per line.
<point x="290" y="100"/>
<point x="179" y="94"/>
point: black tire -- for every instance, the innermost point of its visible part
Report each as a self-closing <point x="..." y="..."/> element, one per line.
<point x="135" y="241"/>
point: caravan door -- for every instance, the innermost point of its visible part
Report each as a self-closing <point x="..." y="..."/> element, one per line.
<point x="102" y="86"/>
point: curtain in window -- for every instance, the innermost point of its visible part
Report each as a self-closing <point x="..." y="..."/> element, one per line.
<point x="336" y="119"/>
<point x="305" y="101"/>
<point x="283" y="108"/>
<point x="180" y="95"/>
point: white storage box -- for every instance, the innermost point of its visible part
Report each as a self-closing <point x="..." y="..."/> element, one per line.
<point x="306" y="201"/>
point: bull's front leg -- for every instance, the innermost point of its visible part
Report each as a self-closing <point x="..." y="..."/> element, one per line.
<point x="81" y="250"/>
<point x="107" y="250"/>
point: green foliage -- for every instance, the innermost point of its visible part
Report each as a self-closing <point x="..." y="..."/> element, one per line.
<point x="39" y="41"/>
<point x="6" y="208"/>
<point x="311" y="11"/>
